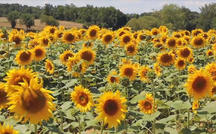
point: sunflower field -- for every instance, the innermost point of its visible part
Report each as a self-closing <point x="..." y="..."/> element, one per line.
<point x="100" y="81"/>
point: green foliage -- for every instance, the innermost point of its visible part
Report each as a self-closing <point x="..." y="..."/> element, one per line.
<point x="49" y="20"/>
<point x="28" y="20"/>
<point x="144" y="22"/>
<point x="12" y="17"/>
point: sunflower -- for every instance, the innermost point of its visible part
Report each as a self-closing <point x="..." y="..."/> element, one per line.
<point x="69" y="37"/>
<point x="211" y="69"/>
<point x="32" y="43"/>
<point x="107" y="38"/>
<point x="147" y="105"/>
<point x="185" y="53"/>
<point x="113" y="77"/>
<point x="163" y="29"/>
<point x="131" y="49"/>
<point x="44" y="41"/>
<point x="87" y="54"/>
<point x="49" y="66"/>
<point x="213" y="89"/>
<point x="32" y="102"/>
<point x="163" y="38"/>
<point x="65" y="56"/>
<point x="82" y="98"/>
<point x="6" y="129"/>
<point x="3" y="96"/>
<point x="111" y="108"/>
<point x="79" y="69"/>
<point x="129" y="71"/>
<point x="171" y="42"/>
<point x="39" y="53"/>
<point x="191" y="69"/>
<point x="88" y="44"/>
<point x="209" y="52"/>
<point x="143" y="73"/>
<point x="157" y="69"/>
<point x="24" y="57"/>
<point x="180" y="63"/>
<point x="155" y="31"/>
<point x="199" y="84"/>
<point x="141" y="36"/>
<point x="16" y="76"/>
<point x="125" y="39"/>
<point x="17" y="39"/>
<point x="195" y="105"/>
<point x="198" y="42"/>
<point x="71" y="62"/>
<point x="159" y="45"/>
<point x="196" y="32"/>
<point x="92" y="32"/>
<point x="58" y="34"/>
<point x="166" y="59"/>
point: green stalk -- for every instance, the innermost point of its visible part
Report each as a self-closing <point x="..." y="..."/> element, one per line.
<point x="102" y="127"/>
<point x="35" y="127"/>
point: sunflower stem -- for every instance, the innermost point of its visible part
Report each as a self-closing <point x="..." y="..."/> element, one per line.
<point x="153" y="127"/>
<point x="35" y="127"/>
<point x="188" y="119"/>
<point x="101" y="131"/>
<point x="80" y="127"/>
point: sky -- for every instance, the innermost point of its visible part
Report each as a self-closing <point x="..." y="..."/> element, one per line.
<point x="126" y="6"/>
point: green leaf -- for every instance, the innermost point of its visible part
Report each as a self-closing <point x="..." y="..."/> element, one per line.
<point x="165" y="120"/>
<point x="210" y="107"/>
<point x="151" y="117"/>
<point x="178" y="105"/>
<point x="65" y="106"/>
<point x="138" y="97"/>
<point x="71" y="83"/>
<point x="171" y="130"/>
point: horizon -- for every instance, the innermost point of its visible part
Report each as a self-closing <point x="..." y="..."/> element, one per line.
<point x="126" y="6"/>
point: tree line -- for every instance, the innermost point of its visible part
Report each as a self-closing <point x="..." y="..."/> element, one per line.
<point x="176" y="17"/>
<point x="172" y="16"/>
<point x="108" y="17"/>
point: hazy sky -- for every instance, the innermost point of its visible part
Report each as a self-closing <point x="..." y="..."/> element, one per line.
<point x="126" y="6"/>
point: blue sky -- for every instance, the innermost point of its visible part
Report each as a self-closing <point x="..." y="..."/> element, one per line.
<point x="126" y="6"/>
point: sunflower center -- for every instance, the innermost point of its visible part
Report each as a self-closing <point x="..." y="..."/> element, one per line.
<point x="172" y="43"/>
<point x="49" y="66"/>
<point x="166" y="58"/>
<point x="142" y="37"/>
<point x="60" y="35"/>
<point x="45" y="41"/>
<point x="67" y="56"/>
<point x="25" y="56"/>
<point x="38" y="52"/>
<point x="107" y="38"/>
<point x="112" y="79"/>
<point x="3" y="97"/>
<point x="181" y="63"/>
<point x="17" y="40"/>
<point x="147" y="105"/>
<point x="199" y="84"/>
<point x="185" y="53"/>
<point x="93" y="33"/>
<point x="52" y="30"/>
<point x="130" y="49"/>
<point x="126" y="39"/>
<point x="111" y="107"/>
<point x="210" y="53"/>
<point x="128" y="72"/>
<point x="69" y="37"/>
<point x="86" y="55"/>
<point x="214" y="90"/>
<point x="33" y="101"/>
<point x="83" y="99"/>
<point x="198" y="41"/>
<point x="144" y="73"/>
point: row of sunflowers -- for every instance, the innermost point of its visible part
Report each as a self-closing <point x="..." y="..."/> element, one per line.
<point x="97" y="80"/>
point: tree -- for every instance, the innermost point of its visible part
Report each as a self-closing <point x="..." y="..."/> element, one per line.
<point x="49" y="20"/>
<point x="12" y="17"/>
<point x="207" y="16"/>
<point x="28" y="20"/>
